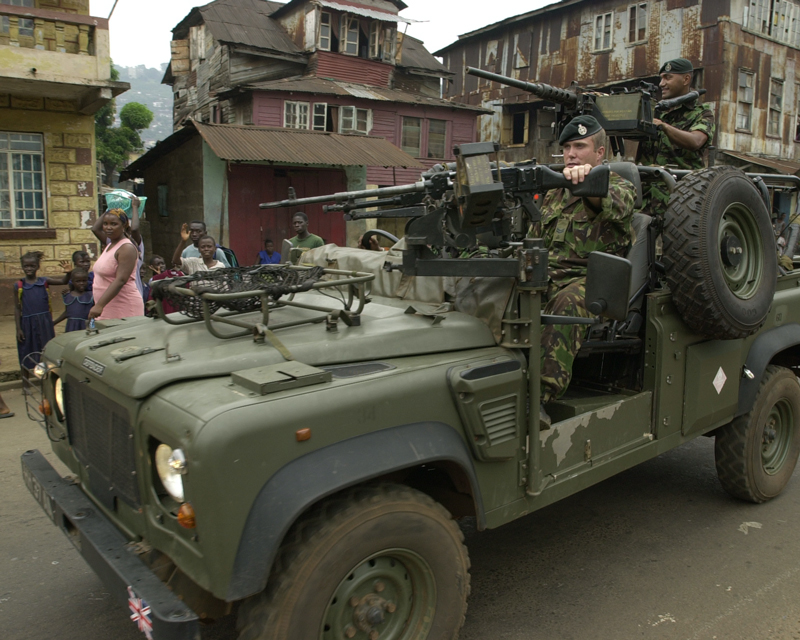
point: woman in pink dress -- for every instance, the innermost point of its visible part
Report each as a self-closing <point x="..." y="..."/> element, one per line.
<point x="115" y="292"/>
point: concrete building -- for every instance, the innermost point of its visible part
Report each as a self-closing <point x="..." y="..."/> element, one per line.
<point x="746" y="54"/>
<point x="54" y="76"/>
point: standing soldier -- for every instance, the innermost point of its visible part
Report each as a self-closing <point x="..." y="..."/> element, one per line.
<point x="684" y="132"/>
<point x="572" y="227"/>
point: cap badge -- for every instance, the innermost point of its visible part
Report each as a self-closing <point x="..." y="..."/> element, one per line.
<point x="582" y="129"/>
<point x="668" y="67"/>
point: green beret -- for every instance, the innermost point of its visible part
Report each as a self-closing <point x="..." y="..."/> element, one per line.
<point x="678" y="65"/>
<point x="578" y="128"/>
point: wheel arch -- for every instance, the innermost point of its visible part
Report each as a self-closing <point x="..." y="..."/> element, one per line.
<point x="393" y="454"/>
<point x="780" y="346"/>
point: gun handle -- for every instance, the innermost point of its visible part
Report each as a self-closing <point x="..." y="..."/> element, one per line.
<point x="594" y="186"/>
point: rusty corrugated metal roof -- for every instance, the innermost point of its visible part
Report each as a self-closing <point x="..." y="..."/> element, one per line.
<point x="241" y="143"/>
<point x="324" y="86"/>
<point x="417" y="57"/>
<point x="246" y="22"/>
<point x="297" y="146"/>
<point x="786" y="167"/>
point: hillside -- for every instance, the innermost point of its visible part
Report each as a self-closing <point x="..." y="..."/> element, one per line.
<point x="147" y="89"/>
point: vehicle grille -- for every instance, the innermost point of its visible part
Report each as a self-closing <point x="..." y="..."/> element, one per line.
<point x="500" y="419"/>
<point x="101" y="435"/>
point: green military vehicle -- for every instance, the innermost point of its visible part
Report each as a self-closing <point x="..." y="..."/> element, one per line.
<point x="297" y="444"/>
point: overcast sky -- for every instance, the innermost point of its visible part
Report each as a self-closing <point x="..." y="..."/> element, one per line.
<point x="141" y="29"/>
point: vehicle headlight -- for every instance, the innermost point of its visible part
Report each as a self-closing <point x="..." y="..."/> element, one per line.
<point x="170" y="466"/>
<point x="59" y="393"/>
<point x="40" y="370"/>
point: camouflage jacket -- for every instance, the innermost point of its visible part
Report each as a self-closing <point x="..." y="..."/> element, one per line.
<point x="661" y="152"/>
<point x="572" y="229"/>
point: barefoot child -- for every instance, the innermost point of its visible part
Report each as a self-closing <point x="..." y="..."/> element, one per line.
<point x="32" y="311"/>
<point x="77" y="302"/>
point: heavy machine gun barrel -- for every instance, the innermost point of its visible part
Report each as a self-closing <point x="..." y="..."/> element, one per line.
<point x="344" y="196"/>
<point x="539" y="89"/>
<point x="674" y="102"/>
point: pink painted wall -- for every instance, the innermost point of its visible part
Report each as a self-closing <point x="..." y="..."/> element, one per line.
<point x="386" y="122"/>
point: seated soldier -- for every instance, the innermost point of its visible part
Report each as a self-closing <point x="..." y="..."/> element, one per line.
<point x="572" y="227"/>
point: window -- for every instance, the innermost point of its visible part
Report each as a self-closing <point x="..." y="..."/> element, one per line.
<point x="389" y="43"/>
<point x="295" y="115"/>
<point x="797" y="117"/>
<point x="325" y="31"/>
<point x="375" y="39"/>
<point x="21" y="180"/>
<point x="4" y="24"/>
<point x="26" y="27"/>
<point x="776" y="19"/>
<point x="411" y="136"/>
<point x="19" y="3"/>
<point x="437" y="138"/>
<point x="744" y="107"/>
<point x="515" y="128"/>
<point x="775" y="107"/>
<point x="320" y="121"/>
<point x="352" y="120"/>
<point x="602" y="31"/>
<point x="638" y="22"/>
<point x="348" y="36"/>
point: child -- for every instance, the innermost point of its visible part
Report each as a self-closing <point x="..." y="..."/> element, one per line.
<point x="77" y="302"/>
<point x="159" y="267"/>
<point x="32" y="311"/>
<point x="80" y="259"/>
<point x="269" y="255"/>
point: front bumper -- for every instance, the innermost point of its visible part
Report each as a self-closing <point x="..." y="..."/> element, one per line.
<point x="106" y="551"/>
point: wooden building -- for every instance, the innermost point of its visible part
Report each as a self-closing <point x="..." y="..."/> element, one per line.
<point x="746" y="55"/>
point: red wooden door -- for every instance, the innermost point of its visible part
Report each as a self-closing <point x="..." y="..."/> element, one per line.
<point x="250" y="185"/>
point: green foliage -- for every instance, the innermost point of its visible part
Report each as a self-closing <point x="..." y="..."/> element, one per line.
<point x="114" y="143"/>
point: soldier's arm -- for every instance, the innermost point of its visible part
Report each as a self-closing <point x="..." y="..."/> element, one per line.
<point x="691" y="140"/>
<point x="617" y="205"/>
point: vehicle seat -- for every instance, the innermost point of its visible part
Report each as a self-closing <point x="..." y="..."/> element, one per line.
<point x="638" y="256"/>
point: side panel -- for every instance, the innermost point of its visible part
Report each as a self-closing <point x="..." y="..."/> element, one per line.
<point x="713" y="371"/>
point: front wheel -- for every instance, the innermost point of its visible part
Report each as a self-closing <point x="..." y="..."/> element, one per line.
<point x="381" y="562"/>
<point x="756" y="453"/>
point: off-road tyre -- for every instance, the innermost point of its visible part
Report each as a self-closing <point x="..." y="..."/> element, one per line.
<point x="756" y="453"/>
<point x="717" y="217"/>
<point x="354" y="554"/>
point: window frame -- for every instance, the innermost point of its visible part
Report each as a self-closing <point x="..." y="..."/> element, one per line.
<point x="411" y="150"/>
<point x="797" y="113"/>
<point x="345" y="22"/>
<point x="322" y="25"/>
<point x="298" y="104"/>
<point x="9" y="153"/>
<point x="749" y="103"/>
<point x="609" y="16"/>
<point x="634" y="20"/>
<point x="353" y="117"/>
<point x="314" y="116"/>
<point x="444" y="139"/>
<point x="375" y="29"/>
<point x="772" y="108"/>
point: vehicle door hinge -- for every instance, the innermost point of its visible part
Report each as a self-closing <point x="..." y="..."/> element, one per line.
<point x="587" y="451"/>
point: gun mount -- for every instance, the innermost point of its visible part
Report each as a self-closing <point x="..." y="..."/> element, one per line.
<point x="624" y="114"/>
<point x="456" y="207"/>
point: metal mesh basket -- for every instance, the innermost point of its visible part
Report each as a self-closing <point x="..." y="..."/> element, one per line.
<point x="274" y="280"/>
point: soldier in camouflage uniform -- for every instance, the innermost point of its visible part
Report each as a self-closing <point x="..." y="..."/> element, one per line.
<point x="573" y="227"/>
<point x="684" y="132"/>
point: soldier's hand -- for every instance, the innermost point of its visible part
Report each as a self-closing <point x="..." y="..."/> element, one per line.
<point x="577" y="174"/>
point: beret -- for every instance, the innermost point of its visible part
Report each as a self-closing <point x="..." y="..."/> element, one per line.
<point x="578" y="128"/>
<point x="678" y="65"/>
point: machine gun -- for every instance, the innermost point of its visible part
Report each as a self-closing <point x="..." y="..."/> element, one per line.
<point x="456" y="207"/>
<point x="624" y="113"/>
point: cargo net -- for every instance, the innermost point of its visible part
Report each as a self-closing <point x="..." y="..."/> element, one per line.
<point x="275" y="280"/>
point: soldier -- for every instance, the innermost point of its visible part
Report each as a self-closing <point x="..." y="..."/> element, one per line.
<point x="684" y="132"/>
<point x="573" y="227"/>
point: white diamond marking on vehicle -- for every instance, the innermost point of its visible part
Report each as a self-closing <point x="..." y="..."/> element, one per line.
<point x="719" y="380"/>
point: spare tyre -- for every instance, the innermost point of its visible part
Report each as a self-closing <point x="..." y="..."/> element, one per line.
<point x="719" y="253"/>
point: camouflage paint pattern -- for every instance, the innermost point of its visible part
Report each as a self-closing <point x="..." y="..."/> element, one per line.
<point x="572" y="230"/>
<point x="661" y="152"/>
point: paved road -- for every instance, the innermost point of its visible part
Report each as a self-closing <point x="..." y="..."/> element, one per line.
<point x="659" y="552"/>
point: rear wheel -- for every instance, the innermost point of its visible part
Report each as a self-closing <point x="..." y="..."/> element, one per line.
<point x="756" y="453"/>
<point x="378" y="562"/>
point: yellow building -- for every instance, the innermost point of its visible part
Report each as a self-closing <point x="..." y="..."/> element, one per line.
<point x="55" y="71"/>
